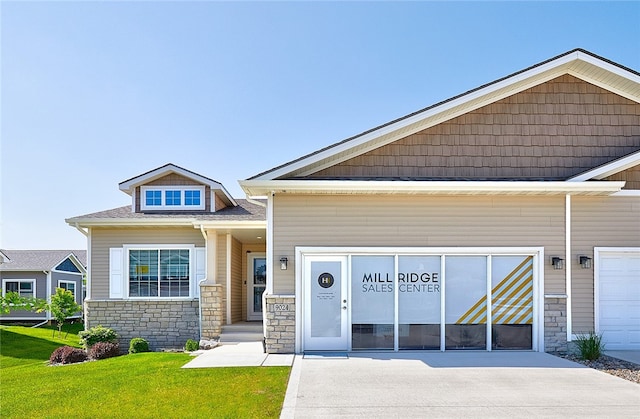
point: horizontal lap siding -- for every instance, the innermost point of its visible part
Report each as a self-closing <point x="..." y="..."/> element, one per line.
<point x="236" y="281"/>
<point x="598" y="222"/>
<point x="427" y="221"/>
<point x="103" y="239"/>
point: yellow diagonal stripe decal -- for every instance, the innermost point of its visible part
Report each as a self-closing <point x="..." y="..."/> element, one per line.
<point x="512" y="299"/>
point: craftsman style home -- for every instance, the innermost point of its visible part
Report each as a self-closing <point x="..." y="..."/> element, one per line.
<point x="505" y="218"/>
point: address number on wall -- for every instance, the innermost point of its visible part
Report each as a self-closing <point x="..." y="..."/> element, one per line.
<point x="281" y="307"/>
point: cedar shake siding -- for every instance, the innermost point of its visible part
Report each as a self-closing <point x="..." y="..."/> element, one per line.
<point x="553" y="131"/>
<point x="102" y="239"/>
<point x="425" y="221"/>
<point x="592" y="225"/>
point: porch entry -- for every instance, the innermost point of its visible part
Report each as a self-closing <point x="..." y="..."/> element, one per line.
<point x="256" y="284"/>
<point x="420" y="302"/>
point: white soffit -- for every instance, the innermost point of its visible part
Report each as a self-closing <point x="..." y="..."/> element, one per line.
<point x="364" y="187"/>
<point x="577" y="63"/>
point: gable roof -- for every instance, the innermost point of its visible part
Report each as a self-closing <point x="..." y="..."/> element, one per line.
<point x="42" y="260"/>
<point x="609" y="169"/>
<point x="129" y="185"/>
<point x="578" y="63"/>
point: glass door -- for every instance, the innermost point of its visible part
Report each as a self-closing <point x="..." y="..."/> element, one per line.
<point x="326" y="303"/>
<point x="256" y="284"/>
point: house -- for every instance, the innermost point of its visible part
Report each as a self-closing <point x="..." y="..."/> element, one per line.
<point x="37" y="273"/>
<point x="184" y="259"/>
<point x="505" y="218"/>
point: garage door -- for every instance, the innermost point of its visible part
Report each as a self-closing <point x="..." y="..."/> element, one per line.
<point x="618" y="294"/>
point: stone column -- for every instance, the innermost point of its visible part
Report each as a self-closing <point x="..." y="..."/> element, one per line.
<point x="280" y="324"/>
<point x="555" y="323"/>
<point x="213" y="305"/>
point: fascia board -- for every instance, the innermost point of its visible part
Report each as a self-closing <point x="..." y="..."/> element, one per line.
<point x="255" y="187"/>
<point x="609" y="169"/>
<point x="230" y="225"/>
<point x="106" y="222"/>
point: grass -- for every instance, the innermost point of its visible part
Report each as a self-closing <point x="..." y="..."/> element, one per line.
<point x="144" y="385"/>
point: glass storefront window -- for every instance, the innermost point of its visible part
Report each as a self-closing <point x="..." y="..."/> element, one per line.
<point x="512" y="302"/>
<point x="372" y="302"/>
<point x="419" y="302"/>
<point x="466" y="302"/>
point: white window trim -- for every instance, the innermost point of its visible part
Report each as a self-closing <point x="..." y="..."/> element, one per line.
<point x="74" y="283"/>
<point x="5" y="280"/>
<point x="163" y="206"/>
<point x="192" y="269"/>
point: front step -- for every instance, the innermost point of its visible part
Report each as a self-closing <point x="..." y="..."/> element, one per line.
<point x="242" y="332"/>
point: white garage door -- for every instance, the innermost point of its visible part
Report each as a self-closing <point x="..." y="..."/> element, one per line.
<point x="618" y="298"/>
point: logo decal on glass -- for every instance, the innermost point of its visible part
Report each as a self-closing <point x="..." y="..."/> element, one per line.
<point x="325" y="280"/>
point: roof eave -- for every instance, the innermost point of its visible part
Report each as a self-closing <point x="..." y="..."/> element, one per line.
<point x="362" y="187"/>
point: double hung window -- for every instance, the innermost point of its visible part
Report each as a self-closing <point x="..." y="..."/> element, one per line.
<point x="159" y="272"/>
<point x="25" y="288"/>
<point x="68" y="286"/>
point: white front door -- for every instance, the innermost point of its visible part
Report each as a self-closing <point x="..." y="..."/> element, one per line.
<point x="256" y="284"/>
<point x="325" y="303"/>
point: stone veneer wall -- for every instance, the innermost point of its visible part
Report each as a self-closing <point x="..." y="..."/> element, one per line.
<point x="213" y="309"/>
<point x="555" y="324"/>
<point x="165" y="324"/>
<point x="280" y="324"/>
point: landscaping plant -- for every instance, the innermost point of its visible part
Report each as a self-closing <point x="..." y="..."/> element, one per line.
<point x="137" y="345"/>
<point x="191" y="345"/>
<point x="590" y="346"/>
<point x="63" y="305"/>
<point x="104" y="350"/>
<point x="96" y="334"/>
<point x="67" y="355"/>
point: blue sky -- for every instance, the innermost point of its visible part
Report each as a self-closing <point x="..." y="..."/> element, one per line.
<point x="94" y="93"/>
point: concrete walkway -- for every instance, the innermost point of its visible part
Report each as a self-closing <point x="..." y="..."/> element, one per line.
<point x="245" y="354"/>
<point x="631" y="356"/>
<point x="454" y="385"/>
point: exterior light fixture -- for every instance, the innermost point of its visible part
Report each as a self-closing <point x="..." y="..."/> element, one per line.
<point x="585" y="262"/>
<point x="557" y="262"/>
<point x="283" y="263"/>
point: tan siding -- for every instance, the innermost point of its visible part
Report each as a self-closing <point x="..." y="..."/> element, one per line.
<point x="102" y="239"/>
<point x="221" y="269"/>
<point x="416" y="221"/>
<point x="597" y="222"/>
<point x="555" y="130"/>
<point x="219" y="203"/>
<point x="173" y="179"/>
<point x="236" y="281"/>
<point x="631" y="176"/>
<point x="247" y="248"/>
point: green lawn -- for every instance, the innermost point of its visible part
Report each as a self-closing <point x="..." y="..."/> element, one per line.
<point x="148" y="385"/>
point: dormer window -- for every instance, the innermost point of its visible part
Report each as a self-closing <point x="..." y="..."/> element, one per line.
<point x="172" y="198"/>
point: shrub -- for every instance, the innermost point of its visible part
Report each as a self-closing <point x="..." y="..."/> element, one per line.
<point x="67" y="355"/>
<point x="590" y="346"/>
<point x="138" y="345"/>
<point x="104" y="350"/>
<point x="191" y="345"/>
<point x="96" y="334"/>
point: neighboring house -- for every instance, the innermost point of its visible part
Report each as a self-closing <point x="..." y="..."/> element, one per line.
<point x="37" y="273"/>
<point x="507" y="217"/>
<point x="182" y="241"/>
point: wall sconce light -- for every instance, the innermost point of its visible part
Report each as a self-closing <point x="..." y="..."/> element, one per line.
<point x="557" y="262"/>
<point x="585" y="262"/>
<point x="283" y="263"/>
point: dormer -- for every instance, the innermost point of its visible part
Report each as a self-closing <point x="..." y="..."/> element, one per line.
<point x="171" y="188"/>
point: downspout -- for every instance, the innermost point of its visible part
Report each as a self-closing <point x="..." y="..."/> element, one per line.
<point x="48" y="294"/>
<point x="567" y="258"/>
<point x="206" y="254"/>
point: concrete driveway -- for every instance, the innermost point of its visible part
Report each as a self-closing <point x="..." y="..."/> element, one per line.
<point x="454" y="384"/>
